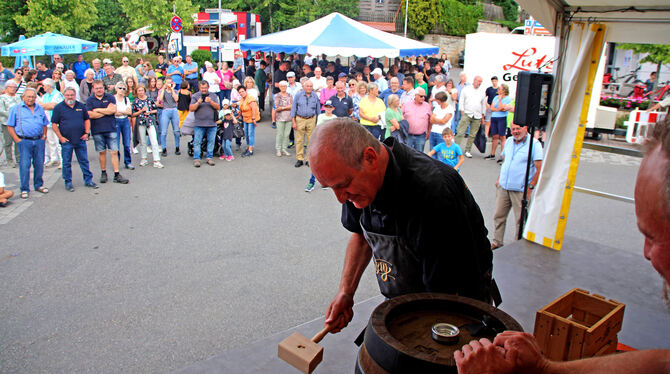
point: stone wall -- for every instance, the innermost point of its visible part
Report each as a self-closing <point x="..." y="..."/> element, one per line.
<point x="491" y="26"/>
<point x="451" y="45"/>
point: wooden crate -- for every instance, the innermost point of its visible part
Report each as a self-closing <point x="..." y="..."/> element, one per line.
<point x="578" y="325"/>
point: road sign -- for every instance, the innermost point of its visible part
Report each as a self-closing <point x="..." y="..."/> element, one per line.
<point x="175" y="24"/>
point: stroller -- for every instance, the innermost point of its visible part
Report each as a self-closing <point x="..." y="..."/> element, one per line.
<point x="218" y="148"/>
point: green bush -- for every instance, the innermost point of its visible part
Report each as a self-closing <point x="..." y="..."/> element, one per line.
<point x="200" y="56"/>
<point x="458" y="18"/>
<point x="510" y="9"/>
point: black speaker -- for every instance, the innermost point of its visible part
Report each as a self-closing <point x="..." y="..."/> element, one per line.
<point x="533" y="92"/>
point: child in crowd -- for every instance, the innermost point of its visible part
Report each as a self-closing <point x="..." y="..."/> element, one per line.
<point x="4" y="194"/>
<point x="237" y="120"/>
<point x="322" y="118"/>
<point x="448" y="152"/>
<point x="227" y="122"/>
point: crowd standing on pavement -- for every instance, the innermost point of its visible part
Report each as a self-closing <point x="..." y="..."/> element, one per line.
<point x="130" y="108"/>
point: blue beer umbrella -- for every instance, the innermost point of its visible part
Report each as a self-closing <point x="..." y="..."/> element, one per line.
<point x="48" y="44"/>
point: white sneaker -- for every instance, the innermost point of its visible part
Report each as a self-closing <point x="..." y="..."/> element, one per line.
<point x="278" y="154"/>
<point x="135" y="151"/>
<point x="285" y="153"/>
<point x="468" y="155"/>
<point x="144" y="162"/>
<point x="149" y="150"/>
<point x="157" y="164"/>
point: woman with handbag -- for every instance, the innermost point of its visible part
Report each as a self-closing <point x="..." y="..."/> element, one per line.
<point x="144" y="109"/>
<point x="123" y="127"/>
<point x="226" y="84"/>
<point x="393" y="117"/>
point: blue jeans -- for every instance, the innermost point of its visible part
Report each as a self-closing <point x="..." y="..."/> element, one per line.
<point x="456" y="121"/>
<point x="226" y="148"/>
<point x="417" y="142"/>
<point x="198" y="133"/>
<point x="122" y="130"/>
<point x="168" y="116"/>
<point x="250" y="133"/>
<point x="435" y="139"/>
<point x="31" y="151"/>
<point x="223" y="94"/>
<point x="376" y="131"/>
<point x="82" y="158"/>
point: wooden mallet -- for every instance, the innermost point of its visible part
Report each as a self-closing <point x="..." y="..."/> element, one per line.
<point x="302" y="353"/>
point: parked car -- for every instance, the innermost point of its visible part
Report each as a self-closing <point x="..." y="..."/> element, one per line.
<point x="461" y="58"/>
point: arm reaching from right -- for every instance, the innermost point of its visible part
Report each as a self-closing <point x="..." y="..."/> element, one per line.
<point x="519" y="352"/>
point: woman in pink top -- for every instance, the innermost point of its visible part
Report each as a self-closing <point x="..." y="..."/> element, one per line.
<point x="226" y="84"/>
<point x="329" y="91"/>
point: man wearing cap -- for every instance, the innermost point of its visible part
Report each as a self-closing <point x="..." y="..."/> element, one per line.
<point x="342" y="77"/>
<point x="319" y="82"/>
<point x="306" y="106"/>
<point x="111" y="79"/>
<point x="394" y="89"/>
<point x="342" y="104"/>
<point x="191" y="73"/>
<point x="293" y="86"/>
<point x="380" y="80"/>
<point x="125" y="70"/>
<point x="175" y="71"/>
<point x="417" y="113"/>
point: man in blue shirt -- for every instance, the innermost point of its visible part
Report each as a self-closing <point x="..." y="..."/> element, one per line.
<point x="510" y="183"/>
<point x="175" y="72"/>
<point x="101" y="109"/>
<point x="71" y="124"/>
<point x="394" y="89"/>
<point x="27" y="124"/>
<point x="306" y="106"/>
<point x="79" y="67"/>
<point x="191" y="73"/>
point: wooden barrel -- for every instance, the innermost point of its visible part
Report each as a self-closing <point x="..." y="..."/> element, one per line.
<point x="398" y="338"/>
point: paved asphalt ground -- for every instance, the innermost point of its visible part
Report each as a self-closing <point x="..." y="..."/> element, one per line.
<point x="183" y="264"/>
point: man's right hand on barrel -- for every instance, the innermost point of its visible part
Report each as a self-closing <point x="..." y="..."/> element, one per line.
<point x="340" y="312"/>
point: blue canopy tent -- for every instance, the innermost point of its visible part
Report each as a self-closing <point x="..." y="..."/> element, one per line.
<point x="336" y="34"/>
<point x="48" y="44"/>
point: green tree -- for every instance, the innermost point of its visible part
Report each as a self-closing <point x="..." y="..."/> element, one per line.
<point x="658" y="54"/>
<point x="422" y="17"/>
<point x="73" y="17"/>
<point x="9" y="30"/>
<point x="158" y="13"/>
<point x="112" y="22"/>
<point x="458" y="18"/>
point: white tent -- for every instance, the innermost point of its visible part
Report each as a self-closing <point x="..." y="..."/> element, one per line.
<point x="583" y="27"/>
<point x="336" y="34"/>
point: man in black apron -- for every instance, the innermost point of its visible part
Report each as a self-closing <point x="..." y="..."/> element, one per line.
<point x="415" y="216"/>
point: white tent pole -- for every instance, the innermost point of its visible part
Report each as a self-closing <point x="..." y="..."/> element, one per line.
<point x="406" y="7"/>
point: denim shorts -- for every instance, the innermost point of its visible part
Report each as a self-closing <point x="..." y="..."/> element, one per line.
<point x="106" y="140"/>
